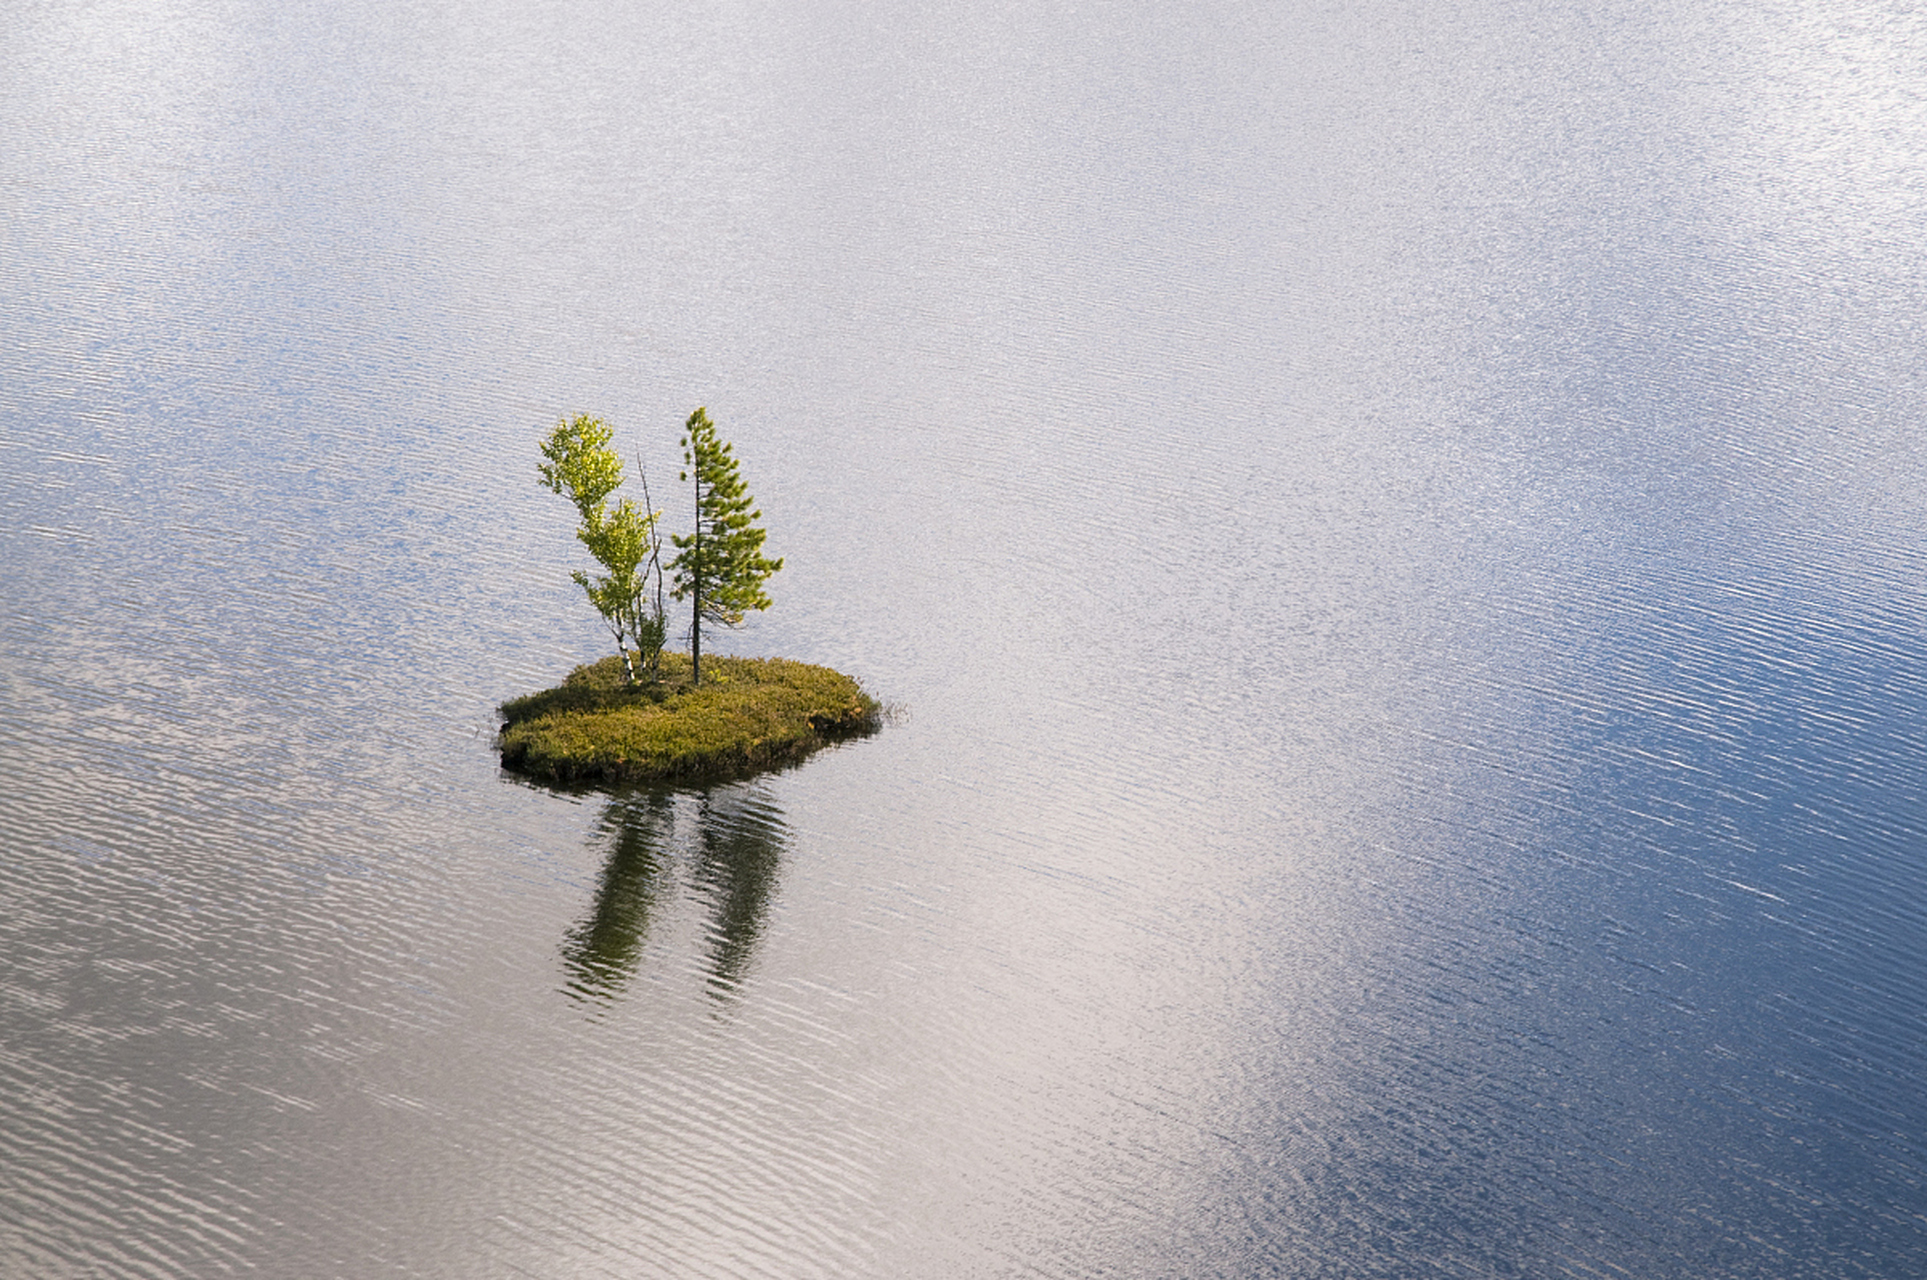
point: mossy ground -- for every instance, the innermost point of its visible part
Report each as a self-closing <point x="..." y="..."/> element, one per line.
<point x="748" y="714"/>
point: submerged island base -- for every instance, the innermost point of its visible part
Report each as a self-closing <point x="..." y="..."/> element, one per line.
<point x="747" y="715"/>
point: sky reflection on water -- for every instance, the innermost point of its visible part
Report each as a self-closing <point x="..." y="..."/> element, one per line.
<point x="1400" y="531"/>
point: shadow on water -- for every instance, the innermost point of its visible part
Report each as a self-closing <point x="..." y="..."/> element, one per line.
<point x="720" y="849"/>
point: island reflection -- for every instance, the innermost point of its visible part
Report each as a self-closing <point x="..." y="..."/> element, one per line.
<point x="721" y="849"/>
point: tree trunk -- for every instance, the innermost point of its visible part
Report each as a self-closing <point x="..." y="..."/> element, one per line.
<point x="696" y="593"/>
<point x="696" y="636"/>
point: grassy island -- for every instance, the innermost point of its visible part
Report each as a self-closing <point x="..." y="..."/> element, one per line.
<point x="748" y="714"/>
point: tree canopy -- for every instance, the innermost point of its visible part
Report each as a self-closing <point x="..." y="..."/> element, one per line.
<point x="720" y="567"/>
<point x="623" y="539"/>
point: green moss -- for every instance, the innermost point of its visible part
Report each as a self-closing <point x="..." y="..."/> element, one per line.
<point x="748" y="714"/>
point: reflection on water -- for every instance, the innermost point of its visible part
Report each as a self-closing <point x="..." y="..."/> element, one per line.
<point x="722" y="848"/>
<point x="1402" y="525"/>
<point x="740" y="838"/>
<point x="601" y="953"/>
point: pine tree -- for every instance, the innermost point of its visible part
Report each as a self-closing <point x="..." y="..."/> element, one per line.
<point x="583" y="468"/>
<point x="721" y="568"/>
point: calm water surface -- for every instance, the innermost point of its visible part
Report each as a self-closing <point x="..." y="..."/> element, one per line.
<point x="1399" y="533"/>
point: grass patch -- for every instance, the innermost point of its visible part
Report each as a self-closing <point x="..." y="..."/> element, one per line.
<point x="749" y="714"/>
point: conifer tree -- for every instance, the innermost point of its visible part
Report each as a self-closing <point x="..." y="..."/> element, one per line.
<point x="583" y="468"/>
<point x="721" y="568"/>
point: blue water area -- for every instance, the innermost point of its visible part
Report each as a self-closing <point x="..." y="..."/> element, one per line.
<point x="1393" y="539"/>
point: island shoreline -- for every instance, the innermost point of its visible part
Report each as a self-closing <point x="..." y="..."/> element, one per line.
<point x="748" y="715"/>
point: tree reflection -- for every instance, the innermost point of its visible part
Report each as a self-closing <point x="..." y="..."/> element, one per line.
<point x="725" y="846"/>
<point x="601" y="952"/>
<point x="741" y="839"/>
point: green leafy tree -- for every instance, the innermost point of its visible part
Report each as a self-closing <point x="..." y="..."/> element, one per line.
<point x="721" y="568"/>
<point x="623" y="539"/>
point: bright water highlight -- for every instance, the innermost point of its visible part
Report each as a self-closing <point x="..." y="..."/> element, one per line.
<point x="1398" y="532"/>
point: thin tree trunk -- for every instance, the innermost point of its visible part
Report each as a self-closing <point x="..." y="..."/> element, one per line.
<point x="696" y="636"/>
<point x="650" y="661"/>
<point x="696" y="594"/>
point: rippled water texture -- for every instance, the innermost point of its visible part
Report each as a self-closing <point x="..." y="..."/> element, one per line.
<point x="1397" y="531"/>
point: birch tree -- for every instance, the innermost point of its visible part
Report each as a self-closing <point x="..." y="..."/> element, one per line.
<point x="623" y="539"/>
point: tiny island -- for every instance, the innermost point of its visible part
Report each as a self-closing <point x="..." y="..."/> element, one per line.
<point x="747" y="715"/>
<point x="644" y="713"/>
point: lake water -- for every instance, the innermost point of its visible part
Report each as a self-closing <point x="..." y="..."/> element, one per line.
<point x="1397" y="533"/>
